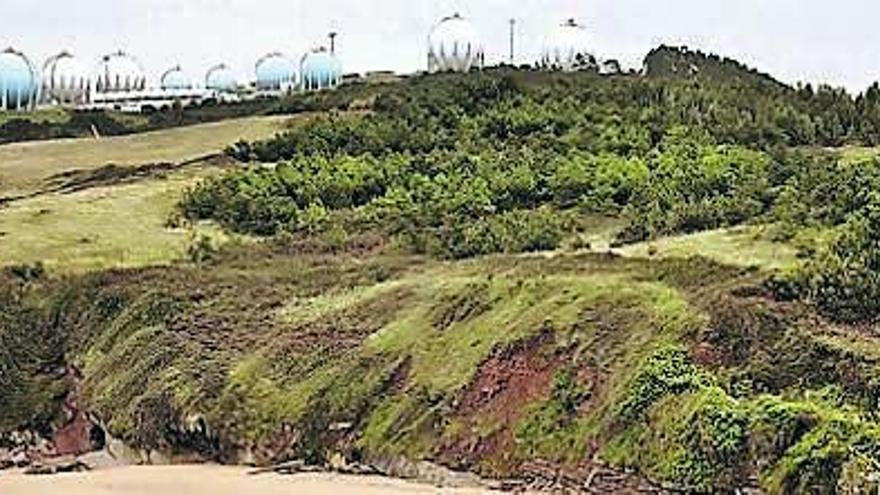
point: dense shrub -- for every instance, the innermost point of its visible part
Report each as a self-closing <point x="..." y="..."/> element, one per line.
<point x="843" y="278"/>
<point x="715" y="436"/>
<point x="464" y="165"/>
<point x="669" y="371"/>
<point x="511" y="232"/>
<point x="694" y="186"/>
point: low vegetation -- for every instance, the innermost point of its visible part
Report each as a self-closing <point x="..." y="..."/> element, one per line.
<point x="669" y="367"/>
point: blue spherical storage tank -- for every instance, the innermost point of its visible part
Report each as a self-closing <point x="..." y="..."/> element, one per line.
<point x="320" y="70"/>
<point x="19" y="82"/>
<point x="220" y="78"/>
<point x="275" y="72"/>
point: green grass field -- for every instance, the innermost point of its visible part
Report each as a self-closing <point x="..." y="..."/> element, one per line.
<point x="102" y="227"/>
<point x="741" y="246"/>
<point x="47" y="115"/>
<point x="120" y="225"/>
<point x="856" y="154"/>
<point x="24" y="167"/>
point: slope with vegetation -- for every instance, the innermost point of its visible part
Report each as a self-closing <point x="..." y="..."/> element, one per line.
<point x="393" y="308"/>
<point x="460" y="166"/>
<point x="89" y="204"/>
<point x="35" y="167"/>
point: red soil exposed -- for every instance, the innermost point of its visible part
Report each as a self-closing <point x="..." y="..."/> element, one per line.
<point x="507" y="383"/>
<point x="74" y="437"/>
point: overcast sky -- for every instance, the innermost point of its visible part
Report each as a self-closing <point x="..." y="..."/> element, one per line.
<point x="837" y="42"/>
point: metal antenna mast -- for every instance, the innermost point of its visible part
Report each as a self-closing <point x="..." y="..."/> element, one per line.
<point x="512" y="38"/>
<point x="333" y="35"/>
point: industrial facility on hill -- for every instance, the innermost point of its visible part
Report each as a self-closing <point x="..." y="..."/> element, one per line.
<point x="119" y="82"/>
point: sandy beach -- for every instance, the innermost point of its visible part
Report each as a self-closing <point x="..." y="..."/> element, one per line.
<point x="214" y="480"/>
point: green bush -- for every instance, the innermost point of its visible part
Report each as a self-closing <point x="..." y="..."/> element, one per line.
<point x="715" y="439"/>
<point x="201" y="249"/>
<point x="464" y="165"/>
<point x="843" y="278"/>
<point x="694" y="185"/>
<point x="31" y="351"/>
<point x="669" y="371"/>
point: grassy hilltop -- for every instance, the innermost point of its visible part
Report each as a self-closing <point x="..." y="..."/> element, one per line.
<point x="672" y="273"/>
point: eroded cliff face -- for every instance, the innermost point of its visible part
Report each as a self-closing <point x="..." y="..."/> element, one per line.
<point x="543" y="368"/>
<point x="72" y="433"/>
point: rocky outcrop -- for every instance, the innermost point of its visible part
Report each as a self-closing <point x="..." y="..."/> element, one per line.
<point x="58" y="451"/>
<point x="64" y="464"/>
<point x="19" y="449"/>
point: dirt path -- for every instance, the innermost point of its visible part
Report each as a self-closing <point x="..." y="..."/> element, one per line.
<point x="215" y="480"/>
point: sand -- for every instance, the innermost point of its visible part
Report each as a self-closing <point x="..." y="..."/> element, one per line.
<point x="213" y="480"/>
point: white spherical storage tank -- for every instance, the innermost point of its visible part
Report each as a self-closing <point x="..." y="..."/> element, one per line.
<point x="454" y="46"/>
<point x="65" y="80"/>
<point x="119" y="72"/>
<point x="567" y="48"/>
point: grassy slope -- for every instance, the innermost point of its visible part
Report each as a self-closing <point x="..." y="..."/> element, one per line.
<point x="102" y="227"/>
<point x="402" y="349"/>
<point x="325" y="319"/>
<point x="741" y="246"/>
<point x="119" y="225"/>
<point x="24" y="167"/>
<point x="419" y="358"/>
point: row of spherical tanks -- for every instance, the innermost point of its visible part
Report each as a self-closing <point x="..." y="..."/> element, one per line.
<point x="454" y="45"/>
<point x="65" y="80"/>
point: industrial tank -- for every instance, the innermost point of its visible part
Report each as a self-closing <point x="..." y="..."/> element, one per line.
<point x="454" y="45"/>
<point x="320" y="69"/>
<point x="19" y="81"/>
<point x="220" y="78"/>
<point x="119" y="72"/>
<point x="175" y="79"/>
<point x="275" y="72"/>
<point x="566" y="48"/>
<point x="65" y="80"/>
